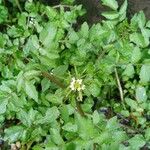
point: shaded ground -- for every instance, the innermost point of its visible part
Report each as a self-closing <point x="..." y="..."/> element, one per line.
<point x="94" y="9"/>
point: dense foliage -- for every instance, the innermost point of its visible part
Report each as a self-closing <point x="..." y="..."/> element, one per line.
<point x="73" y="89"/>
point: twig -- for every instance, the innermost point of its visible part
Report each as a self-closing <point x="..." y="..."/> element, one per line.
<point x="119" y="87"/>
<point x="58" y="6"/>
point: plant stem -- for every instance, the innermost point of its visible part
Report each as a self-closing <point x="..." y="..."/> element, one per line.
<point x="119" y="87"/>
<point x="18" y="5"/>
<point x="79" y="109"/>
<point x="53" y="79"/>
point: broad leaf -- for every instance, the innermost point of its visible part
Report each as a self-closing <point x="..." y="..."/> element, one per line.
<point x="31" y="90"/>
<point x="145" y="73"/>
<point x="141" y="94"/>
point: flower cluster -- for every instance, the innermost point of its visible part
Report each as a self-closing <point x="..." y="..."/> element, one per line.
<point x="76" y="85"/>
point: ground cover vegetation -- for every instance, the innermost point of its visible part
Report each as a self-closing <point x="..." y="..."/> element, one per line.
<point x="68" y="88"/>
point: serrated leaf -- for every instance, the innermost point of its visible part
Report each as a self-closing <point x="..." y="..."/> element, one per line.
<point x="112" y="4"/>
<point x="141" y="94"/>
<point x="31" y="90"/>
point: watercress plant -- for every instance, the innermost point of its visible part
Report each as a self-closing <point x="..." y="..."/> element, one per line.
<point x="67" y="88"/>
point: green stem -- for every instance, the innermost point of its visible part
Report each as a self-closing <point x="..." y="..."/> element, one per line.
<point x="79" y="109"/>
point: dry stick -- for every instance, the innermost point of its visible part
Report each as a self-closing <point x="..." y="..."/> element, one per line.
<point x="55" y="80"/>
<point x="58" y="6"/>
<point x="119" y="87"/>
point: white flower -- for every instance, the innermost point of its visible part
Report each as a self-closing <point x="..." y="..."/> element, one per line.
<point x="32" y="21"/>
<point x="76" y="85"/>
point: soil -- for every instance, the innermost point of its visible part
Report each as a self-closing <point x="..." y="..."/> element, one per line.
<point x="94" y="9"/>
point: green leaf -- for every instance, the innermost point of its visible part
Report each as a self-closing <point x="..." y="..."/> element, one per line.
<point x="50" y="116"/>
<point x="14" y="133"/>
<point x="20" y="81"/>
<point x="141" y="94"/>
<point x="56" y="137"/>
<point x="48" y="34"/>
<point x="112" y="124"/>
<point x="148" y="24"/>
<point x="45" y="83"/>
<point x="147" y="134"/>
<point x="31" y="74"/>
<point x="3" y="105"/>
<point x="94" y="89"/>
<point x="110" y="15"/>
<point x="137" y="142"/>
<point x="129" y="70"/>
<point x="73" y="37"/>
<point x="145" y="73"/>
<point x="139" y="40"/>
<point x="123" y="8"/>
<point x="112" y="4"/>
<point x="131" y="103"/>
<point x="96" y="117"/>
<point x="122" y="11"/>
<point x="31" y="90"/>
<point x="70" y="127"/>
<point x="136" y="55"/>
<point x="64" y="113"/>
<point x="84" y="30"/>
<point x="27" y="118"/>
<point x="86" y="128"/>
<point x="141" y="19"/>
<point x="55" y="99"/>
